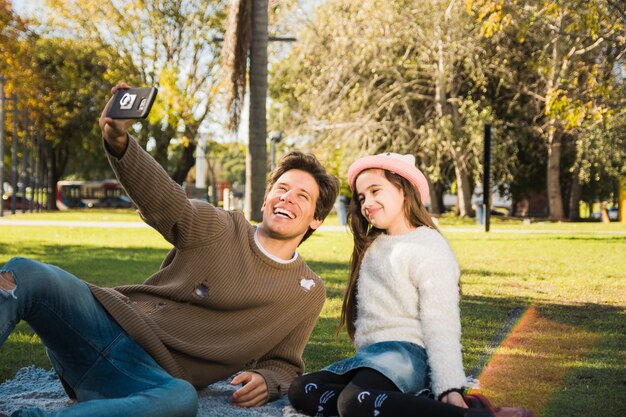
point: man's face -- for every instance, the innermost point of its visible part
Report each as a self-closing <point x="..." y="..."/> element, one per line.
<point x="289" y="207"/>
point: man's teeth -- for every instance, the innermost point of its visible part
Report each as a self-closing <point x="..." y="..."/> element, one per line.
<point x="284" y="213"/>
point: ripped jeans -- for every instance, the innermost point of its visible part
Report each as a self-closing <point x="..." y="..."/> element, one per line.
<point x="111" y="375"/>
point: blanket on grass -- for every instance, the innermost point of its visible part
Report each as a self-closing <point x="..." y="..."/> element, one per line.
<point x="36" y="387"/>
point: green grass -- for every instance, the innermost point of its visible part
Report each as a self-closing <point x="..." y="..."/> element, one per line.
<point x="574" y="273"/>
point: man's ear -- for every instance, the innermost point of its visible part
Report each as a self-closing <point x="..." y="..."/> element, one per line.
<point x="315" y="224"/>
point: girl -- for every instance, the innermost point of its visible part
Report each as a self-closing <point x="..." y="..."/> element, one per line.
<point x="401" y="309"/>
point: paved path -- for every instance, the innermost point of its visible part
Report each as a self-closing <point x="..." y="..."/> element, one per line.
<point x="7" y="221"/>
<point x="77" y="223"/>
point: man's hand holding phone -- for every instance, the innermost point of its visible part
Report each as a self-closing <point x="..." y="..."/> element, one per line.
<point x="126" y="105"/>
<point x="132" y="103"/>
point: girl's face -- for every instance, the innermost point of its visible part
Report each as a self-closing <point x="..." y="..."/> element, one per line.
<point x="382" y="203"/>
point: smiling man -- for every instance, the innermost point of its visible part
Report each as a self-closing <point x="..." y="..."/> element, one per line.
<point x="228" y="297"/>
<point x="290" y="213"/>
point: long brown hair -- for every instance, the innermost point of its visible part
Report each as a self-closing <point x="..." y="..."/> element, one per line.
<point x="364" y="234"/>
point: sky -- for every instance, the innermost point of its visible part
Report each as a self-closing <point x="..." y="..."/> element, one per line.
<point x="25" y="7"/>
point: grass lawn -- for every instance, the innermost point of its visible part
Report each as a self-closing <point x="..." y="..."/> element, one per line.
<point x="559" y="291"/>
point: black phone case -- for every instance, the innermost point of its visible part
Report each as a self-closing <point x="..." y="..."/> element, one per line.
<point x="132" y="103"/>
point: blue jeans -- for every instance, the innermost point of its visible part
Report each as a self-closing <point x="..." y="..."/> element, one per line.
<point x="111" y="375"/>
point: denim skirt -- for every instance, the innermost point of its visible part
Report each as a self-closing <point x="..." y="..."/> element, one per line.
<point x="404" y="363"/>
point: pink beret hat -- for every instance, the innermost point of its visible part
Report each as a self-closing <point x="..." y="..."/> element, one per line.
<point x="403" y="165"/>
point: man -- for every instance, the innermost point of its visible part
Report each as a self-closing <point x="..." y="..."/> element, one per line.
<point x="228" y="296"/>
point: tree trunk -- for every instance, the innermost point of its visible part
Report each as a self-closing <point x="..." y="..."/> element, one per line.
<point x="436" y="198"/>
<point x="59" y="157"/>
<point x="53" y="178"/>
<point x="555" y="200"/>
<point x="185" y="163"/>
<point x="160" y="150"/>
<point x="461" y="164"/>
<point x="574" y="197"/>
<point x="463" y="184"/>
<point x="212" y="194"/>
<point x="256" y="157"/>
<point x="433" y="205"/>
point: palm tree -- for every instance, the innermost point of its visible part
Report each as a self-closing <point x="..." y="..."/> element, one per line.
<point x="246" y="35"/>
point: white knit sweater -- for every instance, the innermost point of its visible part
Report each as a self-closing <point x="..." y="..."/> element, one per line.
<point x="408" y="291"/>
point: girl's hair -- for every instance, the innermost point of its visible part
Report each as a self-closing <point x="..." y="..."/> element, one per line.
<point x="365" y="234"/>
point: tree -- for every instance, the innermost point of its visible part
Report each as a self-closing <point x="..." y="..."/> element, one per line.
<point x="63" y="84"/>
<point x="557" y="58"/>
<point x="457" y="112"/>
<point x="401" y="75"/>
<point x="246" y="35"/>
<point x="13" y="30"/>
<point x="230" y="161"/>
<point x="168" y="45"/>
<point x="600" y="163"/>
<point x="424" y="78"/>
<point x="64" y="87"/>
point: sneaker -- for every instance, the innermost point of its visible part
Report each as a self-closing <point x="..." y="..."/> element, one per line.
<point x="477" y="401"/>
<point x="480" y="404"/>
<point x="512" y="412"/>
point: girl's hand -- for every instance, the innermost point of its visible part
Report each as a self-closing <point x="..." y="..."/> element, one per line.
<point x="454" y="398"/>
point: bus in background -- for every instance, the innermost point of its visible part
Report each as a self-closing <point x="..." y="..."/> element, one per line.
<point x="91" y="194"/>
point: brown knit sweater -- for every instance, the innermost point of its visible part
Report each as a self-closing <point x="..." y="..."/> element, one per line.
<point x="218" y="304"/>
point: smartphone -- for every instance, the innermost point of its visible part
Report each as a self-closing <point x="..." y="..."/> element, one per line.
<point x="132" y="103"/>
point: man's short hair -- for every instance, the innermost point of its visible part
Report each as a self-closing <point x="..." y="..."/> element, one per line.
<point x="327" y="183"/>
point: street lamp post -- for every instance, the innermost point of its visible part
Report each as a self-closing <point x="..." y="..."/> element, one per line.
<point x="275" y="137"/>
<point x="39" y="177"/>
<point x="487" y="176"/>
<point x="33" y="168"/>
<point x="14" y="156"/>
<point x="2" y="82"/>
<point x="24" y="174"/>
